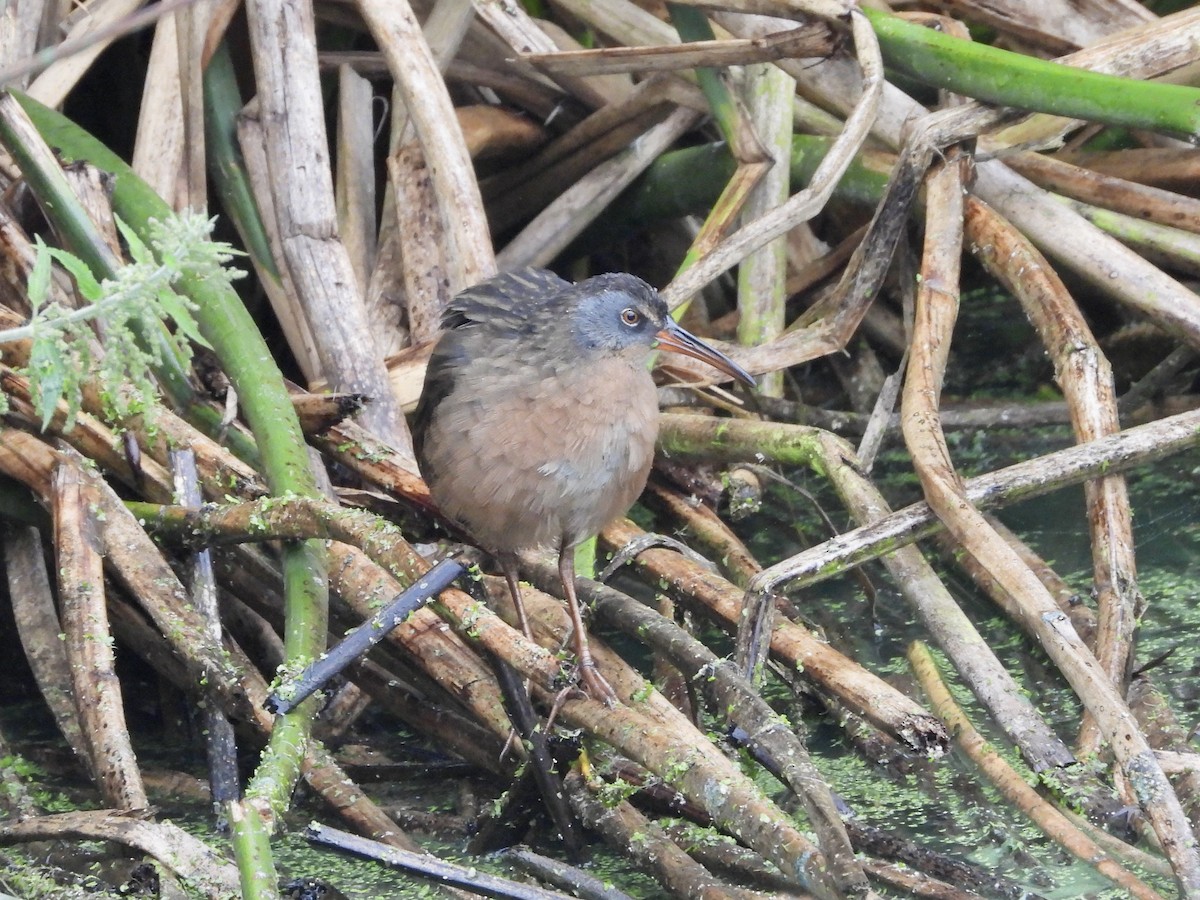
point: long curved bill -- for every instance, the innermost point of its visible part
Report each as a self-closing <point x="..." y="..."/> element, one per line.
<point x="680" y="340"/>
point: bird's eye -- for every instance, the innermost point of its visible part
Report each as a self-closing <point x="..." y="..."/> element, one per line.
<point x="630" y="316"/>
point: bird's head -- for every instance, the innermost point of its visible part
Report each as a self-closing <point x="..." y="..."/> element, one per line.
<point x="621" y="314"/>
<point x="614" y="314"/>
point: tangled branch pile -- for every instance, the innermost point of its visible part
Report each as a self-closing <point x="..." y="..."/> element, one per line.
<point x="841" y="161"/>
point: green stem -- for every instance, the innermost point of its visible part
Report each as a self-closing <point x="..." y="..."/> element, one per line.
<point x="1173" y="247"/>
<point x="1013" y="79"/>
<point x="693" y="25"/>
<point x="222" y="105"/>
<point x="252" y="850"/>
<point x="700" y="438"/>
<point x="688" y="182"/>
<point x="264" y="399"/>
<point x="136" y="203"/>
<point x="79" y="233"/>
<point x="767" y="91"/>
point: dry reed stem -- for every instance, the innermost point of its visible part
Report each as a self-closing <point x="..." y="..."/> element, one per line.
<point x="1148" y="203"/>
<point x="385" y="291"/>
<point x="39" y="628"/>
<point x="810" y="41"/>
<point x="1135" y="446"/>
<point x="413" y="704"/>
<point x="1098" y="259"/>
<point x="192" y="25"/>
<point x="90" y="438"/>
<point x="219" y="739"/>
<point x="762" y="276"/>
<point x="461" y="222"/>
<point x="1085" y="376"/>
<point x="950" y="627"/>
<point x="136" y="563"/>
<point x="19" y="27"/>
<point x="636" y="837"/>
<point x="558" y="224"/>
<point x="1152" y="707"/>
<point x="523" y="189"/>
<point x="278" y="284"/>
<point x="522" y="34"/>
<point x="1170" y="248"/>
<point x="444" y="31"/>
<point x="53" y="85"/>
<point x="1169" y="168"/>
<point x="705" y="527"/>
<point x="1082" y="25"/>
<point x="607" y="89"/>
<point x="186" y="856"/>
<point x="936" y="310"/>
<point x="422" y="252"/>
<point x="1082" y="616"/>
<point x="1094" y="256"/>
<point x="158" y="147"/>
<point x="650" y="733"/>
<point x="776" y="743"/>
<point x="686" y="760"/>
<point x="289" y="97"/>
<point x="804" y="205"/>
<point x="793" y="645"/>
<point x="355" y="175"/>
<point x="79" y="553"/>
<point x="445" y="28"/>
<point x="427" y="641"/>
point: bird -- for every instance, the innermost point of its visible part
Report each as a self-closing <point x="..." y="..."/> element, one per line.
<point x="538" y="417"/>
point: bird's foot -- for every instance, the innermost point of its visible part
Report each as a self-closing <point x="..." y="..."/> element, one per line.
<point x="594" y="684"/>
<point x="597" y="688"/>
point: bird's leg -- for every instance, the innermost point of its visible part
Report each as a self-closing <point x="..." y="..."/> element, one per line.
<point x="593" y="682"/>
<point x="509" y="565"/>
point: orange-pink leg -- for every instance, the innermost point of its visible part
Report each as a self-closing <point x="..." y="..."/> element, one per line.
<point x="514" y="588"/>
<point x="594" y="683"/>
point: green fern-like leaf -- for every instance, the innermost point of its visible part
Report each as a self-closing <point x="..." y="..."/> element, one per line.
<point x="39" y="276"/>
<point x="142" y="318"/>
<point x="86" y="283"/>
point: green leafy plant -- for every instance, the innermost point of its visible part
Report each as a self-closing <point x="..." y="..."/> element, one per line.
<point x="140" y="318"/>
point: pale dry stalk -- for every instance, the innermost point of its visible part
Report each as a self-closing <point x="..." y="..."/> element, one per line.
<point x="1085" y="376"/>
<point x="936" y="311"/>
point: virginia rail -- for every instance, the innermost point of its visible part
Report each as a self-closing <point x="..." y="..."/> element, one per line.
<point x="537" y="422"/>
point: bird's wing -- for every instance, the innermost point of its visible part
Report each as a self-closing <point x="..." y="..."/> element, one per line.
<point x="477" y="319"/>
<point x="503" y="302"/>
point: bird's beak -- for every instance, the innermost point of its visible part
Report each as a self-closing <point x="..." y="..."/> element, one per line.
<point x="679" y="340"/>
